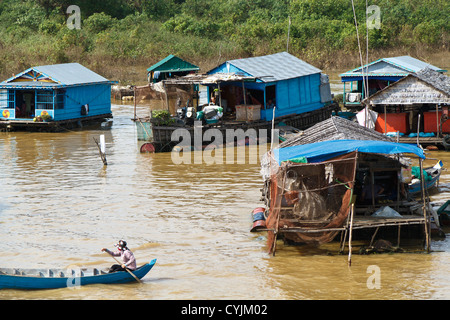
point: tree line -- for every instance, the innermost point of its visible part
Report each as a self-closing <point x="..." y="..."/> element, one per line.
<point x="206" y="32"/>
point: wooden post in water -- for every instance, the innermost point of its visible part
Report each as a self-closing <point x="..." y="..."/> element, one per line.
<point x="102" y="148"/>
<point x="134" y="92"/>
<point x="422" y="182"/>
<point x="350" y="236"/>
<point x="422" y="185"/>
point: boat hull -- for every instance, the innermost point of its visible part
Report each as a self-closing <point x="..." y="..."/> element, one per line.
<point x="416" y="188"/>
<point x="34" y="282"/>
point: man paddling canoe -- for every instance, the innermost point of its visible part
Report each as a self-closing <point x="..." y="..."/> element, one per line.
<point x="129" y="261"/>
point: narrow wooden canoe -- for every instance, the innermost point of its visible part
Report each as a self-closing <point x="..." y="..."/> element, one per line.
<point x="11" y="278"/>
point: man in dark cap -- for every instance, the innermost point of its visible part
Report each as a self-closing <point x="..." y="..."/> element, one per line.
<point x="129" y="261"/>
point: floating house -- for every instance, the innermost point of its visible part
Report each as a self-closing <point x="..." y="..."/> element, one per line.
<point x="281" y="80"/>
<point x="418" y="102"/>
<point x="244" y="94"/>
<point x="317" y="182"/>
<point x="170" y="66"/>
<point x="378" y="75"/>
<point x="63" y="93"/>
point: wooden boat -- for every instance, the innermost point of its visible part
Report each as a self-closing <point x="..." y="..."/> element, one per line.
<point x="12" y="278"/>
<point x="434" y="172"/>
<point x="444" y="214"/>
<point x="446" y="142"/>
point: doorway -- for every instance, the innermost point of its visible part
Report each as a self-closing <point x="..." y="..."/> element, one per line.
<point x="25" y="104"/>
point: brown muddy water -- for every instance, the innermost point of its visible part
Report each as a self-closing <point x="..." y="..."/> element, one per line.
<point x="60" y="206"/>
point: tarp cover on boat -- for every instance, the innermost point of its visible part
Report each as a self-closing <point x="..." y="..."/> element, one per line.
<point x="322" y="151"/>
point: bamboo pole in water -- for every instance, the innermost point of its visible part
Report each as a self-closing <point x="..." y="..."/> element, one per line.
<point x="350" y="236"/>
<point x="422" y="182"/>
<point x="134" y="92"/>
<point x="422" y="185"/>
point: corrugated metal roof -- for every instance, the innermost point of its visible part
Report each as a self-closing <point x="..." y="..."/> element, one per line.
<point x="412" y="64"/>
<point x="172" y="63"/>
<point x="394" y="66"/>
<point x="275" y="67"/>
<point x="66" y="74"/>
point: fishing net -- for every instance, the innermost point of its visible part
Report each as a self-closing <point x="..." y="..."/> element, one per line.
<point x="306" y="198"/>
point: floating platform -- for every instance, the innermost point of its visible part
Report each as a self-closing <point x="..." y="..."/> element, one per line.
<point x="51" y="126"/>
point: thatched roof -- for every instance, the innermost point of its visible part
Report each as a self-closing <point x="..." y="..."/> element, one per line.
<point x="334" y="128"/>
<point x="424" y="87"/>
<point x="438" y="80"/>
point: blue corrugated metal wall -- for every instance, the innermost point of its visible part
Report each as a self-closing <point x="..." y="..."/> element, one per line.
<point x="97" y="96"/>
<point x="293" y="96"/>
<point x="297" y="95"/>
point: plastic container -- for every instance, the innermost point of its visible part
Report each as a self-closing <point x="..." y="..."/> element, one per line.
<point x="241" y="112"/>
<point x="253" y="112"/>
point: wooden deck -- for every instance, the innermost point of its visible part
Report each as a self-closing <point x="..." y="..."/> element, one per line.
<point x="359" y="222"/>
<point x="424" y="141"/>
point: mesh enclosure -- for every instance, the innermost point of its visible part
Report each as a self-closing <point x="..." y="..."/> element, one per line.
<point x="165" y="97"/>
<point x="305" y="198"/>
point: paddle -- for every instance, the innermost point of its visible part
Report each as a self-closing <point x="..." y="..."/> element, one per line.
<point x="137" y="279"/>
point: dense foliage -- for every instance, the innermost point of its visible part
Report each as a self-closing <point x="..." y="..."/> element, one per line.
<point x="117" y="33"/>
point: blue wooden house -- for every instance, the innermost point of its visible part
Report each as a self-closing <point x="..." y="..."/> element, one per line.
<point x="280" y="80"/>
<point x="65" y="93"/>
<point x="379" y="74"/>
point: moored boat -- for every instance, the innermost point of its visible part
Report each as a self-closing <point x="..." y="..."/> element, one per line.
<point x="13" y="278"/>
<point x="434" y="173"/>
<point x="444" y="214"/>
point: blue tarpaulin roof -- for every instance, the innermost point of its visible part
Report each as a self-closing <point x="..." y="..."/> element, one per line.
<point x="325" y="150"/>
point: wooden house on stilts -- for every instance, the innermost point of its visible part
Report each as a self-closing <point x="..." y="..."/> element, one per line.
<point x="417" y="104"/>
<point x="376" y="76"/>
<point x="341" y="178"/>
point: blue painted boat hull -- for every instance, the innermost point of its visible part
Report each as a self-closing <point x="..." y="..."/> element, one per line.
<point x="34" y="282"/>
<point x="416" y="188"/>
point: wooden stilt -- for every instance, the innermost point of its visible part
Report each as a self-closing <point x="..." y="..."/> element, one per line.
<point x="350" y="236"/>
<point x="373" y="237"/>
<point x="422" y="182"/>
<point x="343" y="237"/>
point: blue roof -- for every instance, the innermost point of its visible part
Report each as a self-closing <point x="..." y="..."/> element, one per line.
<point x="274" y="67"/>
<point x="66" y="74"/>
<point x="325" y="150"/>
<point x="396" y="66"/>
